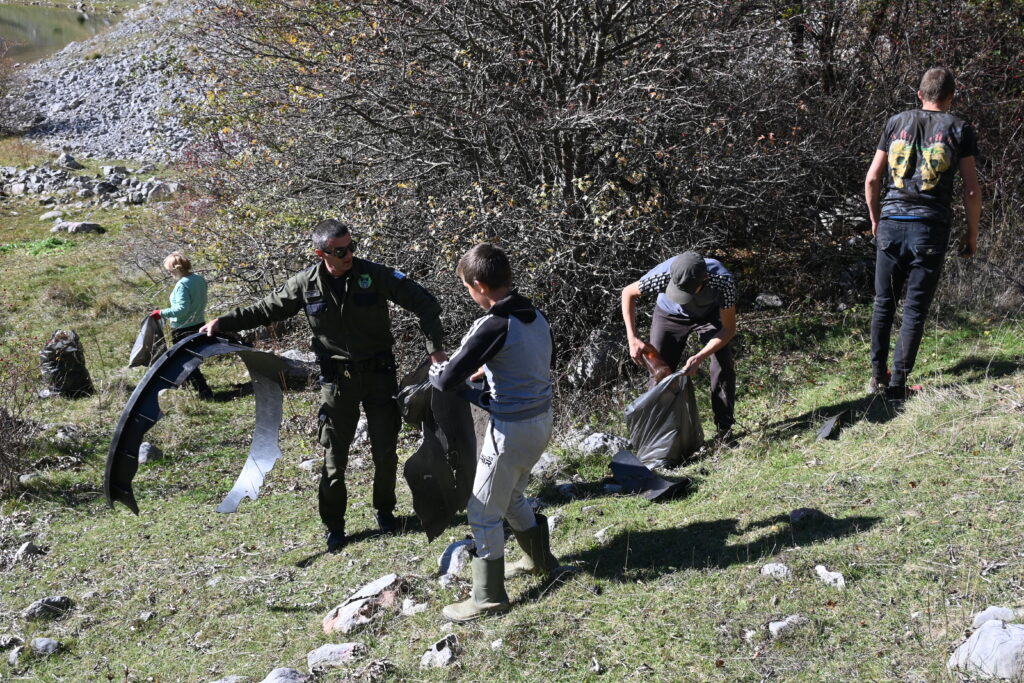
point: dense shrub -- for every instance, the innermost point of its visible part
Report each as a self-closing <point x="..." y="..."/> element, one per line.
<point x="591" y="138"/>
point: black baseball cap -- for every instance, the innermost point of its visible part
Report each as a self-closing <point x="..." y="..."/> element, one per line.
<point x="687" y="272"/>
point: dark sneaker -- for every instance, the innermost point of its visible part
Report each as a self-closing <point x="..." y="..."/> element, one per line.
<point x="336" y="540"/>
<point x="725" y="438"/>
<point x="878" y="385"/>
<point x="386" y="522"/>
<point x="901" y="392"/>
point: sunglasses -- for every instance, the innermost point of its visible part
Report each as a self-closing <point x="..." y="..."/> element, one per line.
<point x="341" y="252"/>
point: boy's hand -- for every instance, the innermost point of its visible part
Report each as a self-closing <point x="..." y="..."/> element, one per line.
<point x="209" y="328"/>
<point x="476" y="376"/>
<point x="636" y="348"/>
<point x="438" y="357"/>
<point x="969" y="247"/>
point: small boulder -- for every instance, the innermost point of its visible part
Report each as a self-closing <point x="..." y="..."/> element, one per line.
<point x="442" y="653"/>
<point x="1000" y="613"/>
<point x="776" y="570"/>
<point x="554" y="520"/>
<point x="47" y="608"/>
<point x="113" y="170"/>
<point x="148" y="451"/>
<point x="831" y="578"/>
<point x="546" y="465"/>
<point x="334" y="655"/>
<point x="67" y="161"/>
<point x="603" y="444"/>
<point x="79" y="227"/>
<point x="454" y="559"/>
<point x="51" y="216"/>
<point x="27" y="549"/>
<point x="807" y="516"/>
<point x="14" y="655"/>
<point x="364" y="604"/>
<point x="996" y="650"/>
<point x="764" y="301"/>
<point x="779" y="629"/>
<point x="285" y="675"/>
<point x="45" y="646"/>
<point x="411" y="607"/>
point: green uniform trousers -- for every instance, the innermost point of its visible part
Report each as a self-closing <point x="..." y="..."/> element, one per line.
<point x="373" y="385"/>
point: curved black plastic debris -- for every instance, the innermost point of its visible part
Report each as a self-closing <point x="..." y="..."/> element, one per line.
<point x="170" y="371"/>
<point x="440" y="473"/>
<point x="636" y="478"/>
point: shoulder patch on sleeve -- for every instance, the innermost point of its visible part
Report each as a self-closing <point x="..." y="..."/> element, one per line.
<point x="398" y="274"/>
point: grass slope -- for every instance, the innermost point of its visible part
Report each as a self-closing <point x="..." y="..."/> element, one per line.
<point x="924" y="504"/>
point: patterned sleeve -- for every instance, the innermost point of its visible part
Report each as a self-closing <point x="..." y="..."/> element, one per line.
<point x="727" y="286"/>
<point x="654" y="284"/>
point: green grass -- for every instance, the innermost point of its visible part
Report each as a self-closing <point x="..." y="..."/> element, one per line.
<point x="924" y="504"/>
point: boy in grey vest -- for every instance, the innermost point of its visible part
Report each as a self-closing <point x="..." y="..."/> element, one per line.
<point x="511" y="348"/>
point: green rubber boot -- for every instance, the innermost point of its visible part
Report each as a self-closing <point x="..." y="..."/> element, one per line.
<point x="536" y="544"/>
<point x="488" y="595"/>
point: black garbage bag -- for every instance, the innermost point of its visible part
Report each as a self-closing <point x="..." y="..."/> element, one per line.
<point x="63" y="365"/>
<point x="149" y="344"/>
<point x="664" y="427"/>
<point x="440" y="473"/>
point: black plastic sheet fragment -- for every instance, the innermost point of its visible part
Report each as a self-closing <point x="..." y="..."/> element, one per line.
<point x="832" y="426"/>
<point x="440" y="473"/>
<point x="169" y="372"/>
<point x="634" y="477"/>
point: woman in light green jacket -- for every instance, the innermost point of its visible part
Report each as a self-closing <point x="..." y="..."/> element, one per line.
<point x="187" y="311"/>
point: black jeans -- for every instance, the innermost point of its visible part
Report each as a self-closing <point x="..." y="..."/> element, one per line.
<point x="911" y="254"/>
<point x="196" y="379"/>
<point x="669" y="335"/>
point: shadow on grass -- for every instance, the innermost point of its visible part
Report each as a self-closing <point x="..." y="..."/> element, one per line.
<point x="704" y="545"/>
<point x="407" y="524"/>
<point x="977" y="368"/>
<point x="874" y="408"/>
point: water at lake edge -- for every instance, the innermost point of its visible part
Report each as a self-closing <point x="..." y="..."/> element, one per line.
<point x="33" y="32"/>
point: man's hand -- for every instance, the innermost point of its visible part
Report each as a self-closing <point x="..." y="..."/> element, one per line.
<point x="692" y="365"/>
<point x="477" y="376"/>
<point x="637" y="347"/>
<point x="438" y="357"/>
<point x="209" y="328"/>
<point x="155" y="313"/>
<point x="969" y="247"/>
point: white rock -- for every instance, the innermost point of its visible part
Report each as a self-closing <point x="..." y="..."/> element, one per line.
<point x="233" y="678"/>
<point x="768" y="301"/>
<point x="14" y="655"/>
<point x="411" y="607"/>
<point x="831" y="578"/>
<point x="776" y="570"/>
<point x="546" y="465"/>
<point x="45" y="646"/>
<point x="51" y="216"/>
<point x="307" y="465"/>
<point x="603" y="443"/>
<point x="334" y="655"/>
<point x="285" y="675"/>
<point x="496" y="644"/>
<point x="442" y="653"/>
<point x="554" y="520"/>
<point x="364" y="604"/>
<point x="362" y="435"/>
<point x="455" y="557"/>
<point x="27" y="549"/>
<point x="148" y="451"/>
<point x="1000" y="613"/>
<point x="996" y="650"/>
<point x="778" y="629"/>
<point x="602" y="535"/>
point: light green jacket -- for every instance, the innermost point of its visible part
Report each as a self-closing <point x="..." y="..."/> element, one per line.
<point x="188" y="303"/>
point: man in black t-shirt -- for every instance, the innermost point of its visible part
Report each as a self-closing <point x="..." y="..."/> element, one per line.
<point x="918" y="154"/>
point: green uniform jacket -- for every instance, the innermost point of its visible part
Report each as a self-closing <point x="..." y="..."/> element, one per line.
<point x="358" y="326"/>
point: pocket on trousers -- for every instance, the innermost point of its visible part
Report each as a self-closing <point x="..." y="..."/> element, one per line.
<point x="316" y="308"/>
<point x="321" y="429"/>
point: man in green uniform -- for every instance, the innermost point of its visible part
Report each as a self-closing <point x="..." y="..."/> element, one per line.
<point x="345" y="300"/>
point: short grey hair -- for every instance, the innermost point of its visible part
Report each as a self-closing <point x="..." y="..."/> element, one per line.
<point x="327" y="230"/>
